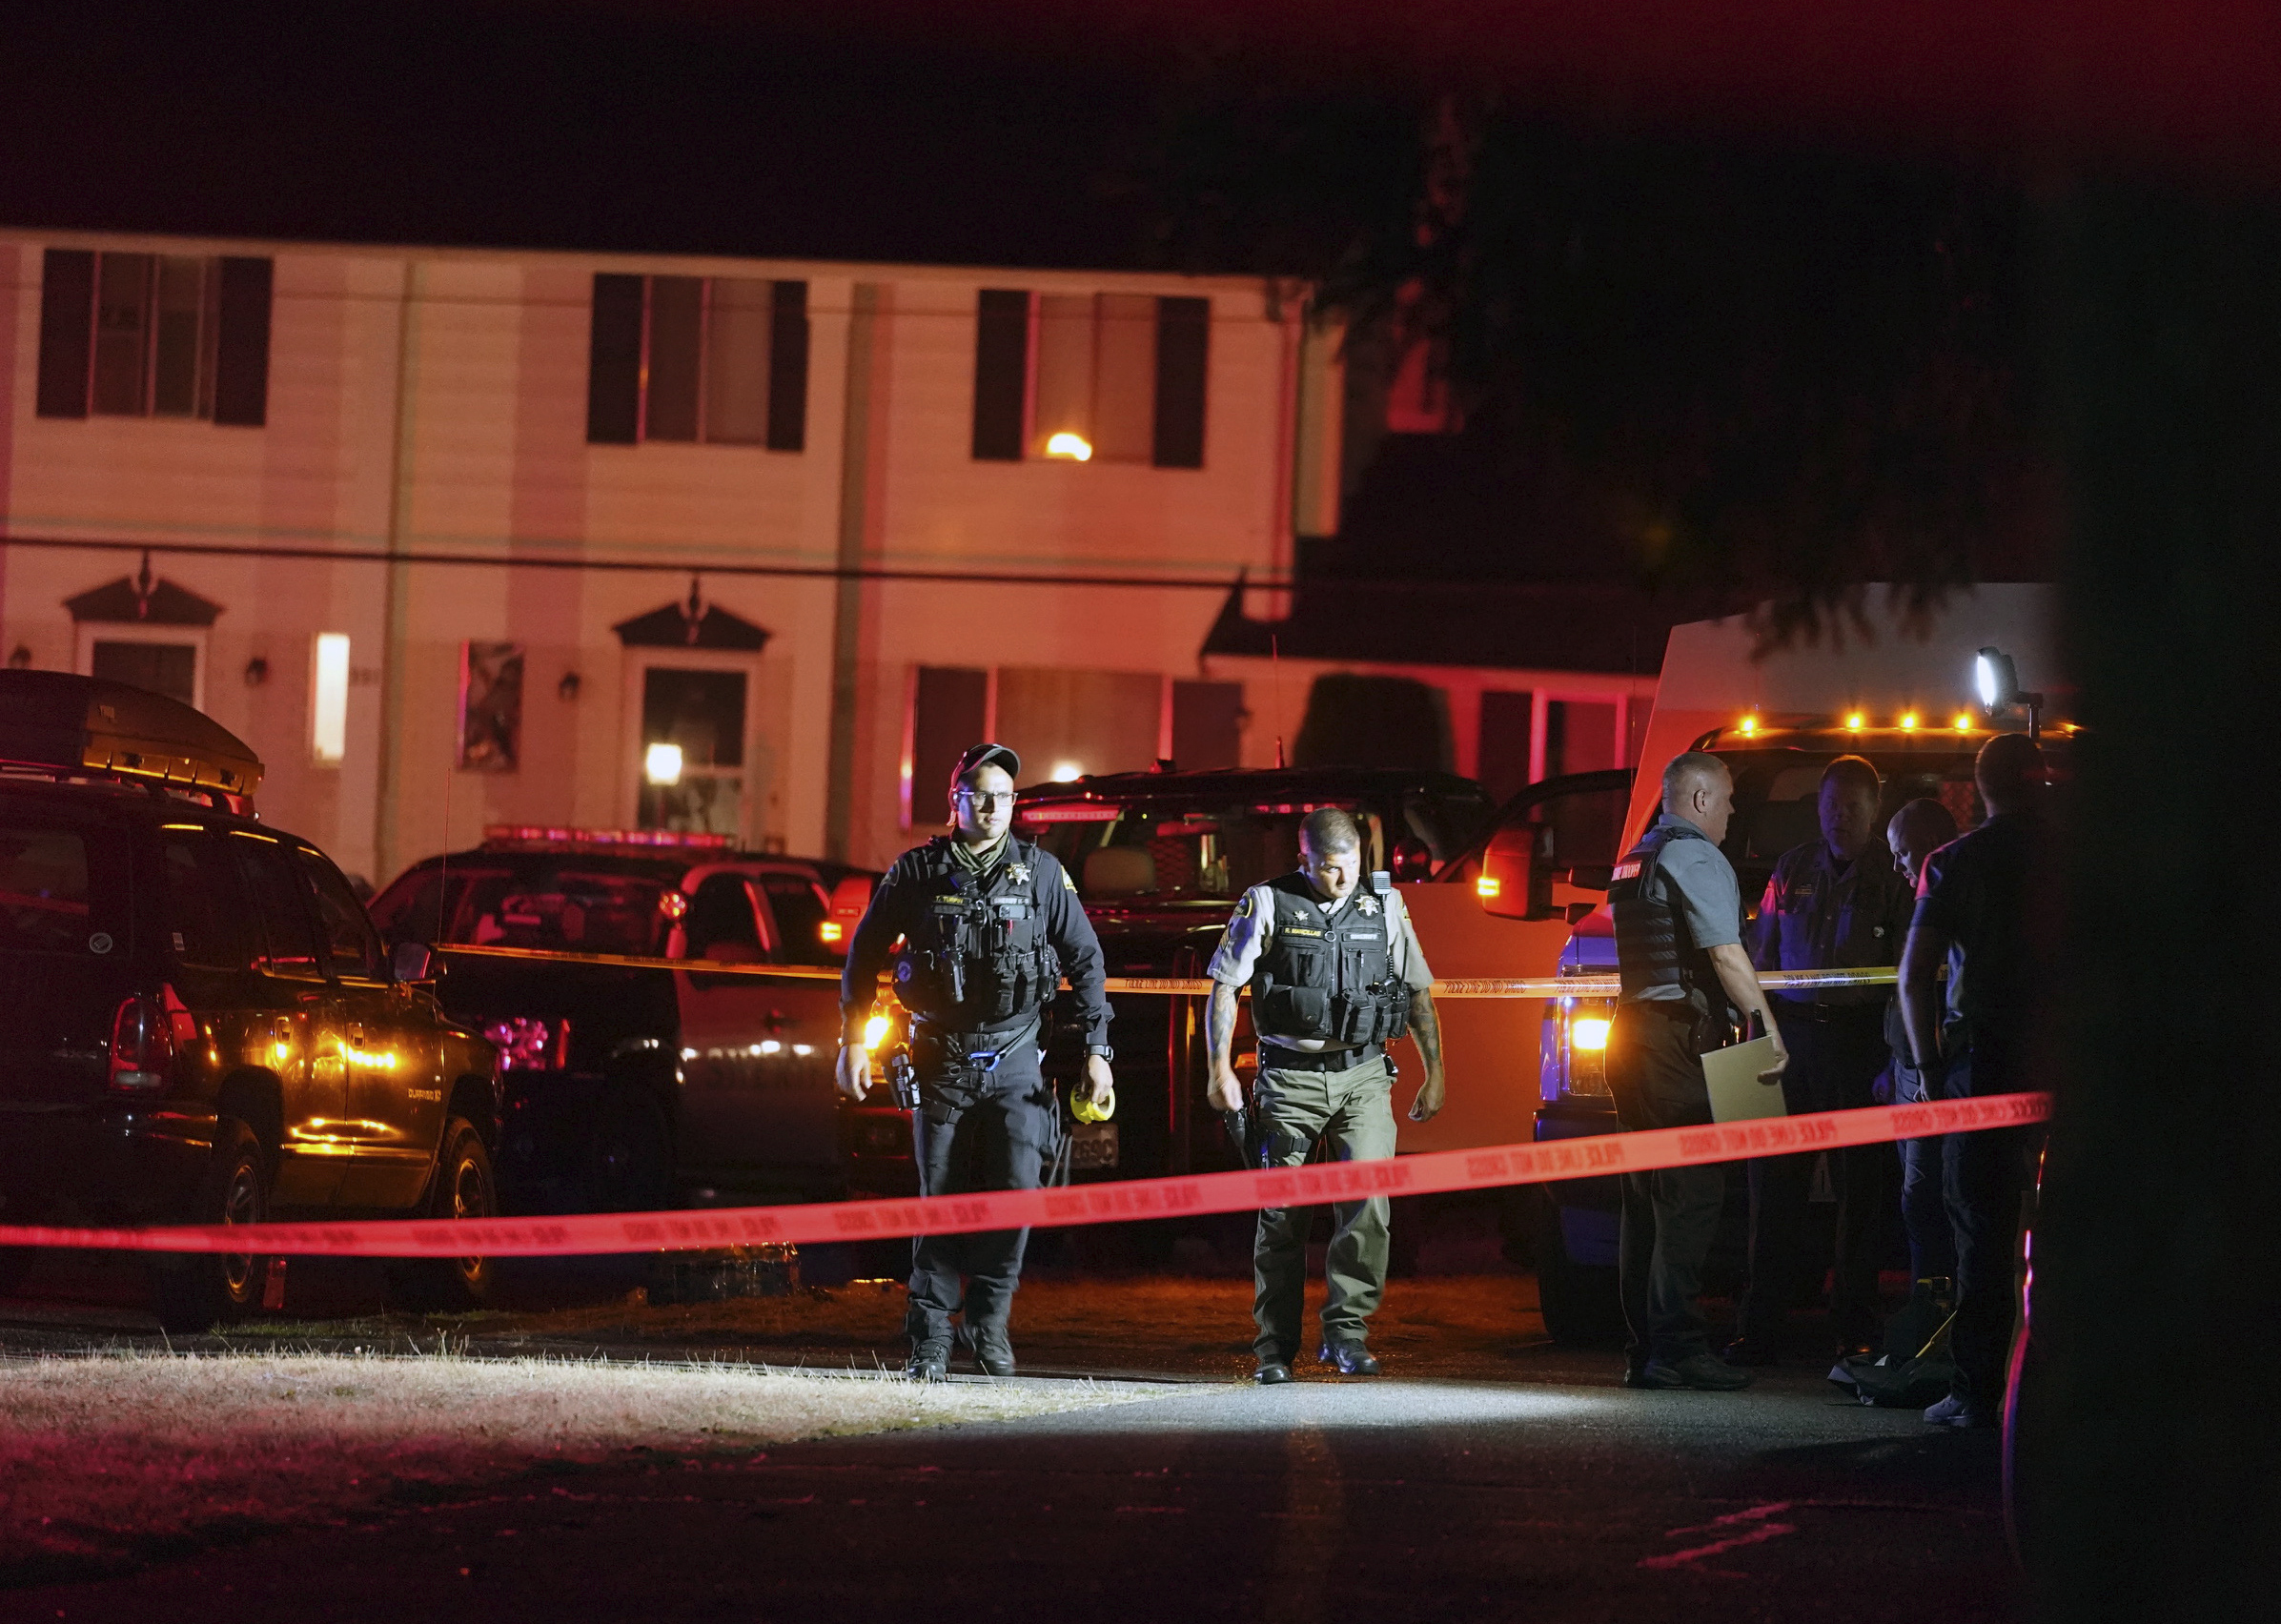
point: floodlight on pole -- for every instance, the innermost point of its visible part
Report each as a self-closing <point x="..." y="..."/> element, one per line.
<point x="1998" y="681"/>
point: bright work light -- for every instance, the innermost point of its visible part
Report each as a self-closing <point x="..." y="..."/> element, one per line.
<point x="1998" y="681"/>
<point x="662" y="764"/>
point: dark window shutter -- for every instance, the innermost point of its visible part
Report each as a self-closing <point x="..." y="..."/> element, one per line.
<point x="1183" y="354"/>
<point x="789" y="369"/>
<point x="614" y="362"/>
<point x="67" y="331"/>
<point x="241" y="359"/>
<point x="948" y="706"/>
<point x="1001" y="375"/>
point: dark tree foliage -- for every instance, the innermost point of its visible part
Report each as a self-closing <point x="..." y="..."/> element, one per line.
<point x="1703" y="360"/>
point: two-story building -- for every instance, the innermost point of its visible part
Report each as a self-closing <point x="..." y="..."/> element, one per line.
<point x="456" y="538"/>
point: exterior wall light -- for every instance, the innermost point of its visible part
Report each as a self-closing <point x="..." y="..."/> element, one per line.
<point x="662" y="764"/>
<point x="1075" y="448"/>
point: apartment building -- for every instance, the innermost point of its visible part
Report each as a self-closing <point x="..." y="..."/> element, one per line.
<point x="456" y="538"/>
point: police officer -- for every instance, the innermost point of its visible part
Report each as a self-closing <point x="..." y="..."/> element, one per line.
<point x="1972" y="912"/>
<point x="988" y="925"/>
<point x="1917" y="830"/>
<point x="1833" y="903"/>
<point x="1336" y="974"/>
<point x="1678" y="954"/>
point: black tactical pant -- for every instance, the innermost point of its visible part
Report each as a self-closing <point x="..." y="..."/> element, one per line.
<point x="994" y="1131"/>
<point x="1671" y="1214"/>
<point x="1983" y="1177"/>
<point x="1834" y="1063"/>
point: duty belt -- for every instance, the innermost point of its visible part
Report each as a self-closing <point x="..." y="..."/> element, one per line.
<point x="1823" y="1013"/>
<point x="1276" y="1057"/>
<point x="976" y="1052"/>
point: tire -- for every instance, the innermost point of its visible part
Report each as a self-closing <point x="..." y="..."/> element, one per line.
<point x="633" y="1156"/>
<point x="462" y="1186"/>
<point x="194" y="1293"/>
<point x="1579" y="1302"/>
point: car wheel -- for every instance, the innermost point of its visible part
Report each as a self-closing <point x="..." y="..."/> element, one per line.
<point x="195" y="1292"/>
<point x="633" y="1156"/>
<point x="463" y="1188"/>
<point x="1580" y="1301"/>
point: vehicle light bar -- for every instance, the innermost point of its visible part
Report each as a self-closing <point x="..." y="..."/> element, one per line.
<point x="502" y="835"/>
<point x="1068" y="812"/>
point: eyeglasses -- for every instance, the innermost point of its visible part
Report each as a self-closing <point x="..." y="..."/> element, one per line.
<point x="987" y="796"/>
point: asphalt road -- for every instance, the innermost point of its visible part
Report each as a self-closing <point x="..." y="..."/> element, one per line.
<point x="1556" y="1495"/>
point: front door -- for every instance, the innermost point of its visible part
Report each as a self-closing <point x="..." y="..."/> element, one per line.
<point x="295" y="1026"/>
<point x="391" y="1053"/>
<point x="693" y="756"/>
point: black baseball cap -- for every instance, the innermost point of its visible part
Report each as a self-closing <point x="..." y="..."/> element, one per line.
<point x="984" y="756"/>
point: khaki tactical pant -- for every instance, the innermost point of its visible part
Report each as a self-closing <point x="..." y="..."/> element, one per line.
<point x="1352" y="1111"/>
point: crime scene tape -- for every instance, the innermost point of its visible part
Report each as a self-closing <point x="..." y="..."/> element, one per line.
<point x="1184" y="987"/>
<point x="1427" y="1173"/>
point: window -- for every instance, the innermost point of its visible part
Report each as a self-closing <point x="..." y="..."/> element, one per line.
<point x="950" y="709"/>
<point x="203" y="905"/>
<point x="1090" y="377"/>
<point x="802" y="910"/>
<point x="329" y="699"/>
<point x="721" y="926"/>
<point x="697" y="784"/>
<point x="62" y="891"/>
<point x="350" y="944"/>
<point x="169" y="668"/>
<point x="558" y="909"/>
<point x="155" y="335"/>
<point x="718" y="359"/>
<point x="282" y="905"/>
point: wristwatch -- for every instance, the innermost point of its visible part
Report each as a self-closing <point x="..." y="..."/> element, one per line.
<point x="1099" y="1051"/>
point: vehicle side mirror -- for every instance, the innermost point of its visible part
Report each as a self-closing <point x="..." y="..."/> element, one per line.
<point x="1502" y="886"/>
<point x="1413" y="859"/>
<point x="850" y="899"/>
<point x="1592" y="876"/>
<point x="413" y="963"/>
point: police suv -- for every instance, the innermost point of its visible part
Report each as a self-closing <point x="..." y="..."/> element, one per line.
<point x="200" y="1024"/>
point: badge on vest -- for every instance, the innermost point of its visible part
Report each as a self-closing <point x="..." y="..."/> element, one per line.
<point x="1018" y="873"/>
<point x="1366" y="906"/>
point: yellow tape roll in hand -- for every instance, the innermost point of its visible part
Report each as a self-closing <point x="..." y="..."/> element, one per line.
<point x="1083" y="1108"/>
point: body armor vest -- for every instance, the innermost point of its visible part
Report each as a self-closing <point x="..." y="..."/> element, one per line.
<point x="977" y="959"/>
<point x="1654" y="949"/>
<point x="1333" y="982"/>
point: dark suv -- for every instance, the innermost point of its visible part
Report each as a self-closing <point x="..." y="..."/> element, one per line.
<point x="200" y="1024"/>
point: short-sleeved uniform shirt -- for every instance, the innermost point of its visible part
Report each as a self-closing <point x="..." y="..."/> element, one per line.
<point x="1975" y="889"/>
<point x="1698" y="885"/>
<point x="1819" y="914"/>
<point x="1237" y="957"/>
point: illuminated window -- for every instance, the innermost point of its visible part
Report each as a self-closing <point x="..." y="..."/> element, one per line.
<point x="155" y="335"/>
<point x="1090" y="377"/>
<point x="329" y="698"/>
<point x="718" y="359"/>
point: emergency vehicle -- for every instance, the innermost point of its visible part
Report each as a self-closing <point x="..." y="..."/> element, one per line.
<point x="1918" y="701"/>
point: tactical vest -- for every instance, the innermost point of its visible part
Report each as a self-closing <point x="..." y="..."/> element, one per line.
<point x="976" y="957"/>
<point x="1333" y="982"/>
<point x="1654" y="947"/>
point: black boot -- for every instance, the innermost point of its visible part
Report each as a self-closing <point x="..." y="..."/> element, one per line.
<point x="930" y="1359"/>
<point x="992" y="1350"/>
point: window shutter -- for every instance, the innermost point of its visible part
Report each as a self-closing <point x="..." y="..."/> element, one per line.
<point x="242" y="362"/>
<point x="788" y="370"/>
<point x="1183" y="352"/>
<point x="67" y="331"/>
<point x="1001" y="372"/>
<point x="949" y="710"/>
<point x="614" y="362"/>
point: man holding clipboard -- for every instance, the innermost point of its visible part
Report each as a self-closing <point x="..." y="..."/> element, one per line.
<point x="1678" y="946"/>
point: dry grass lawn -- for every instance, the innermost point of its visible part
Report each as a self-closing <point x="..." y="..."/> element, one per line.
<point x="113" y="1457"/>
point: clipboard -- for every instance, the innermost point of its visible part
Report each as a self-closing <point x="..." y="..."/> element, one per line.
<point x="1731" y="1074"/>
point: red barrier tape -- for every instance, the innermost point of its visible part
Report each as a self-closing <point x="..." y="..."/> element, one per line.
<point x="590" y="1233"/>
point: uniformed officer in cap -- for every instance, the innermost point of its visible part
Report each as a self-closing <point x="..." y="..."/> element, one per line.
<point x="1835" y="903"/>
<point x="1678" y="954"/>
<point x="1336" y="974"/>
<point x="988" y="925"/>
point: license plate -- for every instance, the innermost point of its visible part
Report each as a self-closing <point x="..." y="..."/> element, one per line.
<point x="1094" y="1145"/>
